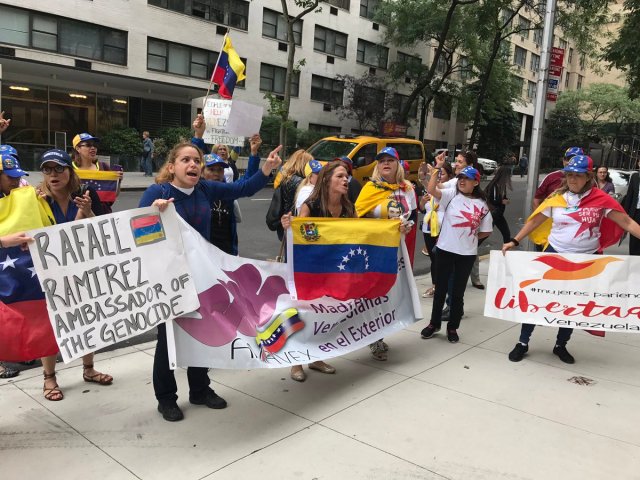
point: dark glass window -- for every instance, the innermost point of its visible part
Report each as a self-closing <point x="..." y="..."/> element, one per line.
<point x="272" y="79"/>
<point x="327" y="90"/>
<point x="329" y="41"/>
<point x="180" y="59"/>
<point x="274" y="26"/>
<point x="372" y="54"/>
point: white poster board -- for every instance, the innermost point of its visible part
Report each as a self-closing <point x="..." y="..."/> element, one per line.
<point x="216" y="115"/>
<point x="112" y="277"/>
<point x="245" y="118"/>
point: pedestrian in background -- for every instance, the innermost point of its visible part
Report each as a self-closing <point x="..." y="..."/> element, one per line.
<point x="603" y="180"/>
<point x="497" y="200"/>
<point x="523" y="164"/>
<point x="147" y="154"/>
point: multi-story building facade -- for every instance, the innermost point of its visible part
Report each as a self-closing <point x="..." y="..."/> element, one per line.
<point x="90" y="65"/>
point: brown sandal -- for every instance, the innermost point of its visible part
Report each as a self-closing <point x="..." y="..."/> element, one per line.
<point x="52" y="394"/>
<point x="99" y="378"/>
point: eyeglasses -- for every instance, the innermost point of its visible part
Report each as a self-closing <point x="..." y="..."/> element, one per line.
<point x="88" y="145"/>
<point x="49" y="170"/>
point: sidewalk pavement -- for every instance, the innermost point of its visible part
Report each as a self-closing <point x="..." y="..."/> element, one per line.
<point x="434" y="410"/>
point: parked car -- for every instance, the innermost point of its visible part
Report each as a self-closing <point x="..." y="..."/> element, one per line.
<point x="362" y="151"/>
<point x="620" y="179"/>
<point x="487" y="167"/>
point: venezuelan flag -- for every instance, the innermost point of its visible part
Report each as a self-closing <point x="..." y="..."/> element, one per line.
<point x="147" y="229"/>
<point x="25" y="329"/>
<point x="104" y="182"/>
<point x="274" y="335"/>
<point x="229" y="70"/>
<point x="343" y="258"/>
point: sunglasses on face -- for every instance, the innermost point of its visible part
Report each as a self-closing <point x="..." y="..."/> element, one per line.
<point x="88" y="145"/>
<point x="49" y="170"/>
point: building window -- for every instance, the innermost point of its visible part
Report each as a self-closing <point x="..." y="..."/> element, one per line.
<point x="368" y="8"/>
<point x="274" y="26"/>
<point x="62" y="35"/>
<point x="330" y="42"/>
<point x="369" y="97"/>
<point x="408" y="59"/>
<point x="579" y="83"/>
<point x="180" y="59"/>
<point x="537" y="36"/>
<point x="327" y="90"/>
<point x="234" y="13"/>
<point x="524" y="27"/>
<point x="563" y="44"/>
<point x="566" y="80"/>
<point x="372" y="54"/>
<point x="317" y="127"/>
<point x="442" y="107"/>
<point x="465" y="68"/>
<point x="442" y="65"/>
<point x="583" y="59"/>
<point x="399" y="101"/>
<point x="531" y="90"/>
<point x="339" y="3"/>
<point x="272" y="79"/>
<point x="534" y="65"/>
<point x="520" y="56"/>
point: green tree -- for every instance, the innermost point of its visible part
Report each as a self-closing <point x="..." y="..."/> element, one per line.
<point x="622" y="52"/>
<point x="122" y="141"/>
<point x="368" y="101"/>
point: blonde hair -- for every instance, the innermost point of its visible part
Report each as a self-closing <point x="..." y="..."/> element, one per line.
<point x="164" y="175"/>
<point x="295" y="165"/>
<point x="400" y="180"/>
<point x="72" y="186"/>
<point x="217" y="146"/>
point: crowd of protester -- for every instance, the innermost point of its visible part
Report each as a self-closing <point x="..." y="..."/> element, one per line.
<point x="204" y="183"/>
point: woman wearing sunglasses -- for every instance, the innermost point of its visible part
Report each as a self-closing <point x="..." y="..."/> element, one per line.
<point x="69" y="201"/>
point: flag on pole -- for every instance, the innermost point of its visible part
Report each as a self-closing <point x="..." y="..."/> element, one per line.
<point x="229" y="70"/>
<point x="342" y="258"/>
<point x="25" y="330"/>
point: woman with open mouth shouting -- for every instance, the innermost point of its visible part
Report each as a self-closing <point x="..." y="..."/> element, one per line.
<point x="179" y="182"/>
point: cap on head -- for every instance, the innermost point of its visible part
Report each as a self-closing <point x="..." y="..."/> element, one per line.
<point x="572" y="152"/>
<point x="10" y="166"/>
<point x="390" y="151"/>
<point x="470" y="173"/>
<point x="84" y="137"/>
<point x="9" y="150"/>
<point x="579" y="164"/>
<point x="56" y="156"/>
<point x="212" y="159"/>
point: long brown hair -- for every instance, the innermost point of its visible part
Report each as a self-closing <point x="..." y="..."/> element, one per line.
<point x="320" y="193"/>
<point x="164" y="175"/>
<point x="73" y="185"/>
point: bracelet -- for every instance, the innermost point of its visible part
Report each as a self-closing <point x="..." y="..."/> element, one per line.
<point x="515" y="242"/>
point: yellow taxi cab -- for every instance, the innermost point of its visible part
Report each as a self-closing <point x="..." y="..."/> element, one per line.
<point x="362" y="151"/>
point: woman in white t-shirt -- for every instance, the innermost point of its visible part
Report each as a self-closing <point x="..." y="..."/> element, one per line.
<point x="388" y="195"/>
<point x="583" y="219"/>
<point x="466" y="218"/>
<point x="432" y="223"/>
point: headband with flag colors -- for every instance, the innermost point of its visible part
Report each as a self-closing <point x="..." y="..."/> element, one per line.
<point x="229" y="70"/>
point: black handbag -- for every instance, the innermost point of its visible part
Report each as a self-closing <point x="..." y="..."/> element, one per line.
<point x="274" y="213"/>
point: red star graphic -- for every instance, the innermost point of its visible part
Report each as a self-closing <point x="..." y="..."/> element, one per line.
<point x="473" y="219"/>
<point x="589" y="219"/>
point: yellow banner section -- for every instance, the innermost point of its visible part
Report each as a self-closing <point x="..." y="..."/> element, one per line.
<point x="97" y="174"/>
<point x="334" y="231"/>
<point x="24" y="210"/>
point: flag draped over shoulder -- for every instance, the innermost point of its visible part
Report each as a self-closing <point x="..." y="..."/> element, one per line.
<point x="610" y="232"/>
<point x="342" y="258"/>
<point x="373" y="194"/>
<point x="229" y="70"/>
<point x="25" y="330"/>
<point x="104" y="182"/>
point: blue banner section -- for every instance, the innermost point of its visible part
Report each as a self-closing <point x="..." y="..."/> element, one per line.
<point x="345" y="258"/>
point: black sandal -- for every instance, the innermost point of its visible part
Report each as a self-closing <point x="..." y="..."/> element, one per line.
<point x="8" y="372"/>
<point x="52" y="394"/>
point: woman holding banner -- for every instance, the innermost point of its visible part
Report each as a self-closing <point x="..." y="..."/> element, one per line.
<point x="329" y="198"/>
<point x="179" y="182"/>
<point x="576" y="218"/>
<point x="388" y="195"/>
<point x="69" y="201"/>
<point x="85" y="158"/>
<point x="466" y="220"/>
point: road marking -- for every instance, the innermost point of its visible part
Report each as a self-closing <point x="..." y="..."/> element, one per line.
<point x="260" y="199"/>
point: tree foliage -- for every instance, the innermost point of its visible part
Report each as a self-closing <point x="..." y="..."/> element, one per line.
<point x="622" y="52"/>
<point x="368" y="101"/>
<point x="122" y="141"/>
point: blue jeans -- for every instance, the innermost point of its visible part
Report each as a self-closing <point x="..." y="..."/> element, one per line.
<point x="147" y="164"/>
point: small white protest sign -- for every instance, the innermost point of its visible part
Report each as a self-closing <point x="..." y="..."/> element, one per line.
<point x="112" y="277"/>
<point x="245" y="118"/>
<point x="216" y="114"/>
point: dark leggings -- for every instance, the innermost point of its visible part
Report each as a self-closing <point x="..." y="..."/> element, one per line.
<point x="457" y="267"/>
<point x="164" y="380"/>
<point x="430" y="243"/>
<point x="501" y="223"/>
